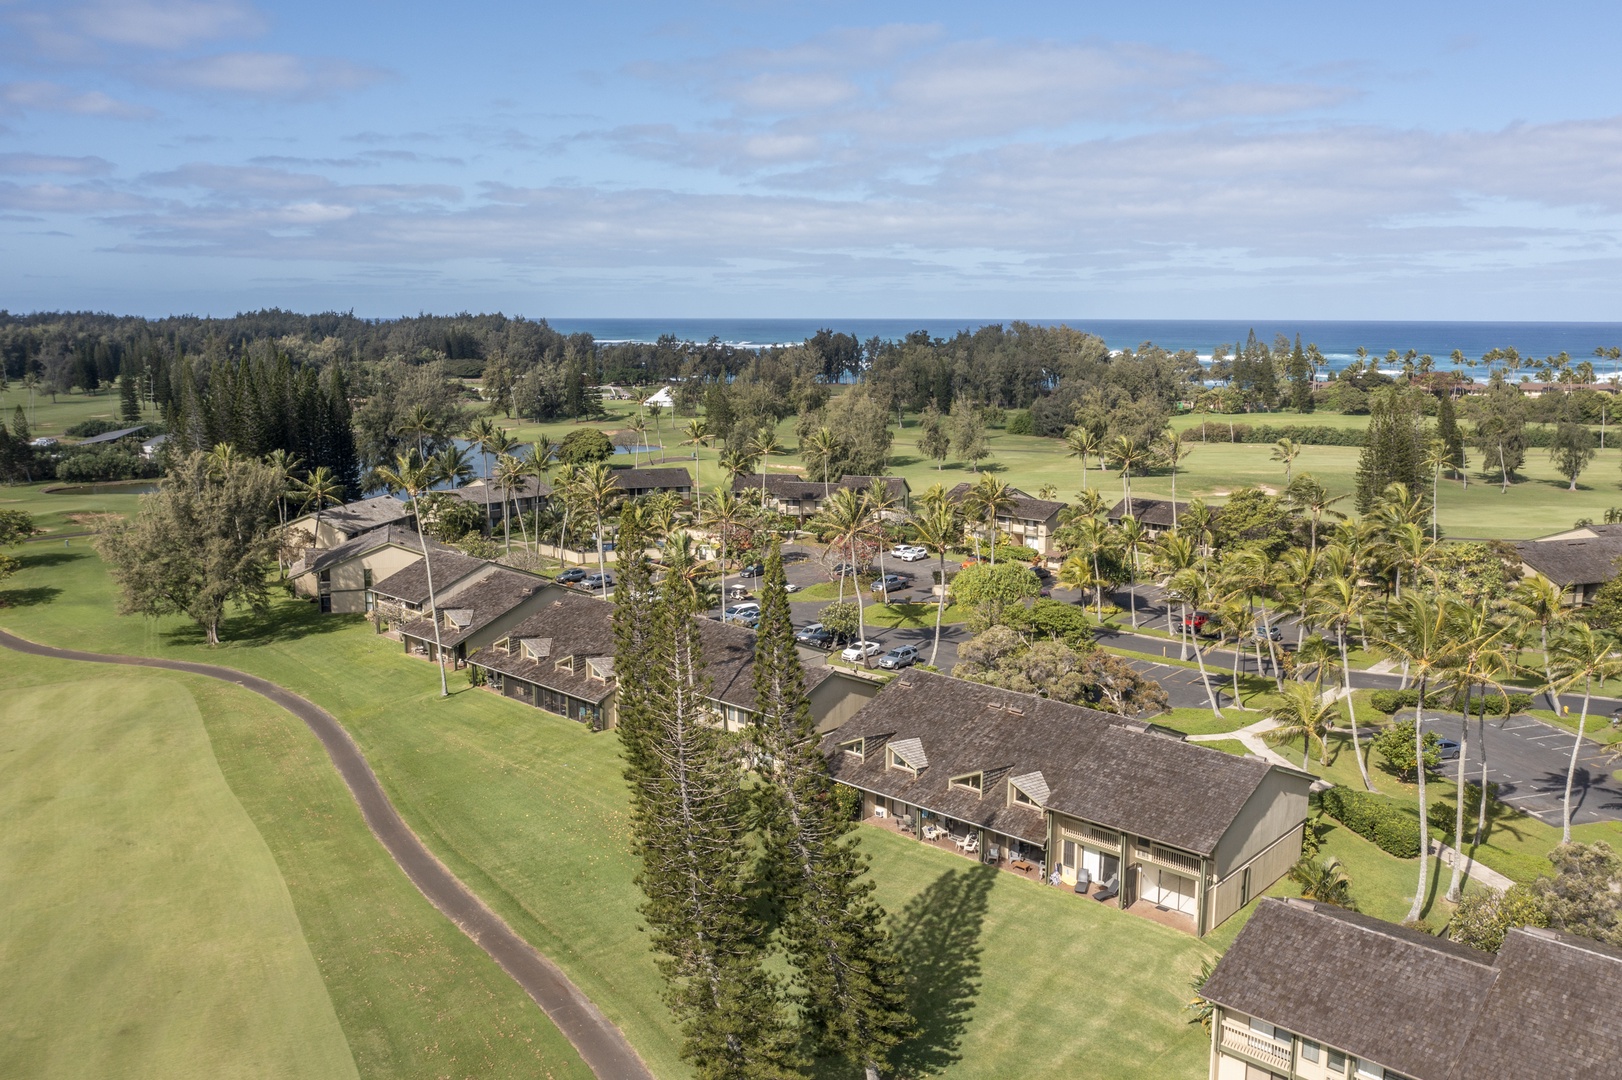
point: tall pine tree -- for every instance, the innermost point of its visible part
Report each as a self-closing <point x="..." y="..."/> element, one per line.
<point x="1452" y="436"/>
<point x="850" y="982"/>
<point x="690" y="831"/>
<point x="1393" y="447"/>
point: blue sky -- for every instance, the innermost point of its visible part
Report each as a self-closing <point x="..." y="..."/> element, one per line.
<point x="1270" y="161"/>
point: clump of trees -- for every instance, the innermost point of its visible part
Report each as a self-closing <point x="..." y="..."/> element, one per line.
<point x="1583" y="896"/>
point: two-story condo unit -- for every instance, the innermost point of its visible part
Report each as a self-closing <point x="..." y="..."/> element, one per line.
<point x="502" y="504"/>
<point x="803" y="497"/>
<point x="340" y="578"/>
<point x="635" y="482"/>
<point x="1111" y="807"/>
<point x="475" y="612"/>
<point x="404" y="594"/>
<point x="1314" y="992"/>
<point x="343" y="523"/>
<point x="1030" y="522"/>
<point x="561" y="659"/>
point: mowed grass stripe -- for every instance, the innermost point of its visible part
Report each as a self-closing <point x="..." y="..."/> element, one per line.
<point x="147" y="930"/>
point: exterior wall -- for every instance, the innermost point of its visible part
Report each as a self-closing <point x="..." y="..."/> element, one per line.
<point x="1278" y="805"/>
<point x="837" y="699"/>
<point x="1233" y="892"/>
<point x="497" y="628"/>
<point x="347" y="581"/>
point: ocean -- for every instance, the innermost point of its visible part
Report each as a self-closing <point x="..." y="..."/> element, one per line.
<point x="1338" y="341"/>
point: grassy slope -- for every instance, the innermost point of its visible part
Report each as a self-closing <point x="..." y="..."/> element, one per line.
<point x="148" y="931"/>
<point x="530" y="810"/>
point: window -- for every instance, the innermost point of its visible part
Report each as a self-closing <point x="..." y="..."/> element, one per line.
<point x="895" y="761"/>
<point x="854" y="746"/>
<point x="1310" y="1050"/>
<point x="325" y="577"/>
<point x="366" y="577"/>
<point x="1020" y="798"/>
<point x="1244" y="893"/>
<point x="1367" y="1070"/>
<point x="1337" y="1063"/>
<point x="972" y="781"/>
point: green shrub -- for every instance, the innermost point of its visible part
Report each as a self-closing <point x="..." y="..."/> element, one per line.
<point x="1374" y="818"/>
<point x="1020" y="423"/>
<point x="86" y="429"/>
<point x="1393" y="701"/>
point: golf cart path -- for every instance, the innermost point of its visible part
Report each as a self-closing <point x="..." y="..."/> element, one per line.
<point x="600" y="1044"/>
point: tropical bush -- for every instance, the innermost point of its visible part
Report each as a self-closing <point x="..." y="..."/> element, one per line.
<point x="1375" y="818"/>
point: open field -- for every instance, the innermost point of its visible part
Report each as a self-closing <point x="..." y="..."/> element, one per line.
<point x="52" y="417"/>
<point x="411" y="995"/>
<point x="529" y="810"/>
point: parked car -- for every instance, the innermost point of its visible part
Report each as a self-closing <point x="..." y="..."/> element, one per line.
<point x="810" y="630"/>
<point x="598" y="581"/>
<point x="1270" y="633"/>
<point x="820" y="638"/>
<point x="741" y="612"/>
<point x="571" y="575"/>
<point x="909" y="552"/>
<point x="1198" y="621"/>
<point x="753" y="570"/>
<point x="888" y="581"/>
<point x="899" y="657"/>
<point x="1447" y="749"/>
<point x="841" y="569"/>
<point x="791" y="587"/>
<point x="860" y="649"/>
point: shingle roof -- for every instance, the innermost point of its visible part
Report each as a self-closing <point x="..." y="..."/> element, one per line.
<point x="643" y="479"/>
<point x="476" y="605"/>
<point x="410" y="585"/>
<point x="784" y="486"/>
<point x="365" y="514"/>
<point x="1156" y="512"/>
<point x="475" y="491"/>
<point x="1025" y="506"/>
<point x="318" y="559"/>
<point x="582" y="626"/>
<point x="1579" y="560"/>
<point x="1425" y="1006"/>
<point x="1099" y="767"/>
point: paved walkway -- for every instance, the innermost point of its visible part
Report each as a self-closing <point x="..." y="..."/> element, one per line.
<point x="600" y="1043"/>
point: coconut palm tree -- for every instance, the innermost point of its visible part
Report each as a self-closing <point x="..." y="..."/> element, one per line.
<point x="599" y="492"/>
<point x="1128" y="453"/>
<point x="736" y="463"/>
<point x="510" y="474"/>
<point x="1093" y="539"/>
<point x="1542" y="603"/>
<point x="638" y="427"/>
<point x="286" y="466"/>
<point x="322" y="489"/>
<point x="936" y="522"/>
<point x="485" y="435"/>
<point x="1436" y="459"/>
<point x="1173" y="449"/>
<point x="565" y="489"/>
<point x="698" y="435"/>
<point x="420" y="423"/>
<point x="1418" y="630"/>
<point x="1294" y="575"/>
<point x="881" y="503"/>
<point x="1190" y="587"/>
<point x="846" y="518"/>
<point x="762" y="445"/>
<point x="1481" y="656"/>
<point x="1306" y="494"/>
<point x="1082" y="442"/>
<point x="452" y="465"/>
<point x="412" y="475"/>
<point x="819" y="450"/>
<point x="1325" y="882"/>
<point x="723" y="513"/>
<point x="1131" y="537"/>
<point x="499" y="443"/>
<point x="1337" y="602"/>
<point x="1286" y="451"/>
<point x="1304" y="714"/>
<point x="1582" y="654"/>
<point x="987" y="500"/>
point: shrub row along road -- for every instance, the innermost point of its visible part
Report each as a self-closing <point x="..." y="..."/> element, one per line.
<point x="600" y="1044"/>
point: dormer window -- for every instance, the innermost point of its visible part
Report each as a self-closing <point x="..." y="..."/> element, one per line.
<point x="855" y="746"/>
<point x="566" y="663"/>
<point x="974" y="782"/>
<point x="1019" y="798"/>
<point x="1028" y="789"/>
<point x="894" y="760"/>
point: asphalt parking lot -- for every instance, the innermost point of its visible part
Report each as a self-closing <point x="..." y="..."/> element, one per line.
<point x="1527" y="759"/>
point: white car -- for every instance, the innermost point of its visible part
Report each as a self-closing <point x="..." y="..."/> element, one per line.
<point x="861" y="649"/>
<point x="909" y="553"/>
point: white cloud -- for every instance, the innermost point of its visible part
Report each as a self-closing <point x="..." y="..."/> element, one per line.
<point x="52" y="165"/>
<point x="269" y="75"/>
<point x="165" y="24"/>
<point x="53" y="97"/>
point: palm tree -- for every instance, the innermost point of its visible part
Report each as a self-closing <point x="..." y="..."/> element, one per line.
<point x="542" y="458"/>
<point x="1173" y="450"/>
<point x="819" y="450"/>
<point x="1295" y="573"/>
<point x="1418" y="630"/>
<point x="1131" y="537"/>
<point x="1191" y="586"/>
<point x="1543" y="603"/>
<point x="724" y="513"/>
<point x="846" y="517"/>
<point x="1324" y="882"/>
<point x="599" y="491"/>
<point x="1480" y="657"/>
<point x="1286" y="451"/>
<point x="1093" y="539"/>
<point x="286" y="467"/>
<point x="1337" y="602"/>
<point x="1306" y="494"/>
<point x="412" y="475"/>
<point x="639" y="428"/>
<point x="485" y="435"/>
<point x="1582" y="654"/>
<point x="421" y="423"/>
<point x="1128" y="453"/>
<point x="500" y="443"/>
<point x="881" y="503"/>
<point x="510" y="474"/>
<point x="736" y="463"/>
<point x="1436" y="460"/>
<point x="1169" y="556"/>
<point x="938" y="528"/>
<point x="987" y="500"/>
<point x="1303" y="713"/>
<point x="323" y="489"/>
<point x="565" y="490"/>
<point x="452" y="465"/>
<point x="698" y="435"/>
<point x="1081" y="442"/>
<point x="763" y="444"/>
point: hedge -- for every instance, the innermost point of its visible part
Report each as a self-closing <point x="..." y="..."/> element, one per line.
<point x="1390" y="701"/>
<point x="1374" y="818"/>
<point x="1306" y="435"/>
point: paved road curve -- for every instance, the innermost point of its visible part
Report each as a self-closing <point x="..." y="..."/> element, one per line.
<point x="600" y="1043"/>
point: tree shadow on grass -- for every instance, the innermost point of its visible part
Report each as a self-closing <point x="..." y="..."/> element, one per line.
<point x="40" y="594"/>
<point x="285" y="621"/>
<point x="938" y="938"/>
<point x="33" y="560"/>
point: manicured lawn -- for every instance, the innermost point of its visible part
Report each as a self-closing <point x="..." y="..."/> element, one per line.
<point x="530" y="811"/>
<point x="147" y="929"/>
<point x="412" y="996"/>
<point x="51" y="418"/>
<point x="1228" y="746"/>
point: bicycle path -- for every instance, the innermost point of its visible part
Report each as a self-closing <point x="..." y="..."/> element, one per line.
<point x="600" y="1044"/>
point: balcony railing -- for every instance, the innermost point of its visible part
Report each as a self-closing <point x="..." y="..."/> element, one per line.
<point x="1270" y="1051"/>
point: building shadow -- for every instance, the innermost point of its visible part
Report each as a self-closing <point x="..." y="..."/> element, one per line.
<point x="937" y="936"/>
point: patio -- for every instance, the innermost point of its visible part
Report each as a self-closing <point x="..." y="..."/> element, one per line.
<point x="1011" y="856"/>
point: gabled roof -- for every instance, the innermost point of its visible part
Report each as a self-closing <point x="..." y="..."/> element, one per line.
<point x="1026" y="506"/>
<point x="473" y="607"/>
<point x="1156" y="512"/>
<point x="1033" y="785"/>
<point x="652" y="479"/>
<point x="1544" y="1006"/>
<point x="315" y="560"/>
<point x="789" y="486"/>
<point x="476" y="491"/>
<point x="1575" y="559"/>
<point x="1098" y="767"/>
<point x="363" y="515"/>
<point x="410" y="585"/>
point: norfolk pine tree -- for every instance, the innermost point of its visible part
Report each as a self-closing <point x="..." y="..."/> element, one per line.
<point x="690" y="833"/>
<point x="850" y="982"/>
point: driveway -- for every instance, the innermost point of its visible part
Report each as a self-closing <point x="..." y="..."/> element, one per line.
<point x="1527" y="759"/>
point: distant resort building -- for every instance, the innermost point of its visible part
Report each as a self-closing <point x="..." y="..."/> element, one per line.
<point x="1578" y="560"/>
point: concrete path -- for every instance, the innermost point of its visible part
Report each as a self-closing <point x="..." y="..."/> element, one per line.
<point x="600" y="1044"/>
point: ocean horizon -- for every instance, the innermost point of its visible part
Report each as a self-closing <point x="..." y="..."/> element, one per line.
<point x="1337" y="340"/>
